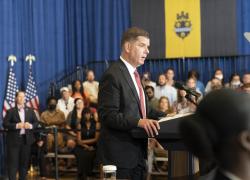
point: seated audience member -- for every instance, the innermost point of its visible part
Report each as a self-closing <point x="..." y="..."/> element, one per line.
<point x="183" y="105"/>
<point x="66" y="103"/>
<point x="152" y="100"/>
<point x="85" y="150"/>
<point x="245" y="88"/>
<point x="78" y="92"/>
<point x="165" y="90"/>
<point x="19" y="121"/>
<point x="169" y="74"/>
<point x="146" y="80"/>
<point x="219" y="132"/>
<point x="53" y="117"/>
<point x="74" y="119"/>
<point x="199" y="85"/>
<point x="215" y="84"/>
<point x="246" y="78"/>
<point x="234" y="81"/>
<point x="217" y="74"/>
<point x="191" y="84"/>
<point x="164" y="106"/>
<point x="91" y="87"/>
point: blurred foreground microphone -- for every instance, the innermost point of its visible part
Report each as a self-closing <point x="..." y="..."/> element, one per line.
<point x="181" y="86"/>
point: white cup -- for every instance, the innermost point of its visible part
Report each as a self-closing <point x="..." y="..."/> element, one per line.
<point x="109" y="172"/>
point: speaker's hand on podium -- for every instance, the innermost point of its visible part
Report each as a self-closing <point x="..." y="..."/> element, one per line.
<point x="150" y="126"/>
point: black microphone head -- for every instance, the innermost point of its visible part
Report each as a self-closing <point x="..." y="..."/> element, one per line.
<point x="179" y="85"/>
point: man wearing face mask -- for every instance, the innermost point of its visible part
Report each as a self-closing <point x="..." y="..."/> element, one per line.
<point x="53" y="117"/>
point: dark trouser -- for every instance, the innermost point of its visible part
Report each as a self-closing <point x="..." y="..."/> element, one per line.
<point x="137" y="173"/>
<point x="18" y="159"/>
<point x="42" y="162"/>
<point x="85" y="160"/>
<point x="38" y="158"/>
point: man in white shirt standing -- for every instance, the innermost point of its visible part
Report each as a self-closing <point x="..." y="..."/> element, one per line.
<point x="66" y="103"/>
<point x="123" y="107"/>
<point x="91" y="87"/>
<point x="19" y="121"/>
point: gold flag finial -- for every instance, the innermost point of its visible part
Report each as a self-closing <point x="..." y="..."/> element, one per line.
<point x="30" y="58"/>
<point x="12" y="59"/>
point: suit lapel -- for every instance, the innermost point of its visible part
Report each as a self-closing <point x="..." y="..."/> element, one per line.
<point x="129" y="80"/>
<point x="26" y="114"/>
<point x="17" y="114"/>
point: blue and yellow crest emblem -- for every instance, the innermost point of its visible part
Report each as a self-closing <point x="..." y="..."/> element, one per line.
<point x="182" y="25"/>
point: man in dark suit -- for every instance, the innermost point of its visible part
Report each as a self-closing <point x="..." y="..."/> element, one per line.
<point x="122" y="106"/>
<point x="19" y="121"/>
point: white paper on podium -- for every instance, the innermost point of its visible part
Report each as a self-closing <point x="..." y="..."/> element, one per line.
<point x="174" y="117"/>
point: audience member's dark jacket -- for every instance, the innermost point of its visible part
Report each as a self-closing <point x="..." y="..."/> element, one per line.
<point x="10" y="121"/>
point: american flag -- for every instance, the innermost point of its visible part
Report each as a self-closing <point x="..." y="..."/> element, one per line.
<point x="12" y="88"/>
<point x="32" y="99"/>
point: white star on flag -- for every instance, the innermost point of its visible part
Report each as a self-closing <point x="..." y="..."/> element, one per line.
<point x="32" y="99"/>
<point x="12" y="89"/>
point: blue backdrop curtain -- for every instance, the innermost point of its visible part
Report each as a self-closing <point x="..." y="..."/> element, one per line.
<point x="205" y="66"/>
<point x="63" y="34"/>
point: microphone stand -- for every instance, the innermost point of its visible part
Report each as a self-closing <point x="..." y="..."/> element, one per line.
<point x="189" y="98"/>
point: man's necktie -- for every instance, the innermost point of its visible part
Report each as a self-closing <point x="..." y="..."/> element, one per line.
<point x="141" y="94"/>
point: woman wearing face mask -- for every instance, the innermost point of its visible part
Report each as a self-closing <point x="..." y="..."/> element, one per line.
<point x="234" y="81"/>
<point x="50" y="117"/>
<point x="218" y="74"/>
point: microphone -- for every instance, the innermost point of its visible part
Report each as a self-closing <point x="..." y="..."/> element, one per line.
<point x="181" y="86"/>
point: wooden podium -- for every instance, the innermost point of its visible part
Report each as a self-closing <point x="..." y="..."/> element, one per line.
<point x="169" y="137"/>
